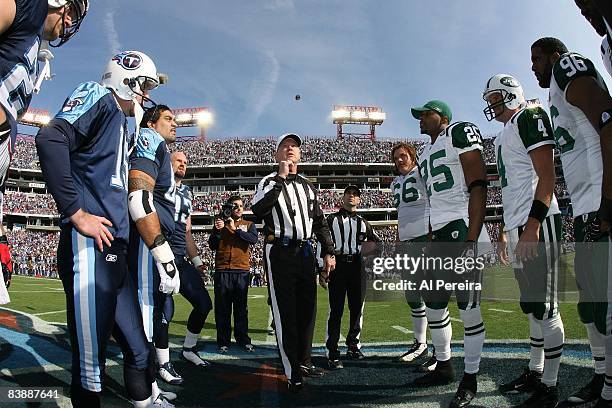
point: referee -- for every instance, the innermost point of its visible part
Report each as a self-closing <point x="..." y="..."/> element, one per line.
<point x="348" y="231"/>
<point x="288" y="205"/>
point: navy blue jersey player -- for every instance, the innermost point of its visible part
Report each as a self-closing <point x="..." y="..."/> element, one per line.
<point x="24" y="25"/>
<point x="84" y="158"/>
<point x="184" y="247"/>
<point x="151" y="201"/>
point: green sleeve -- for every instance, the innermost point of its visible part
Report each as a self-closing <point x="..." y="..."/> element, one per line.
<point x="466" y="136"/>
<point x="534" y="128"/>
<point x="571" y="66"/>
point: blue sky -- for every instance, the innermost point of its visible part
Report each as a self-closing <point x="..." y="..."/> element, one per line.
<point x="246" y="60"/>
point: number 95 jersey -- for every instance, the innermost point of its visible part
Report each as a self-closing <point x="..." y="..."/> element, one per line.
<point x="410" y="199"/>
<point x="578" y="140"/>
<point x="443" y="175"/>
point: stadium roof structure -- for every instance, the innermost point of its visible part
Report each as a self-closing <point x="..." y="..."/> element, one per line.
<point x="370" y="116"/>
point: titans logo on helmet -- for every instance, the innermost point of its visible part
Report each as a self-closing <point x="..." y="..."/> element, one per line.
<point x="128" y="60"/>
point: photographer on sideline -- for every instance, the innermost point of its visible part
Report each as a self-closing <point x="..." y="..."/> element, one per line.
<point x="231" y="239"/>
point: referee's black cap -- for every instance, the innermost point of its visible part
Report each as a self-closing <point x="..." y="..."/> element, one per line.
<point x="353" y="188"/>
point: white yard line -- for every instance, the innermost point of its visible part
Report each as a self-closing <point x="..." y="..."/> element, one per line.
<point x="47" y="313"/>
<point x="501" y="310"/>
<point x="402" y="329"/>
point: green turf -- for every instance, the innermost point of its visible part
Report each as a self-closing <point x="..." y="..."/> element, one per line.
<point x="34" y="296"/>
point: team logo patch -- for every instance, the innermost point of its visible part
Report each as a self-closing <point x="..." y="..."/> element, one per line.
<point x="361" y="237"/>
<point x="111" y="258"/>
<point x="455" y="234"/>
<point x="509" y="81"/>
<point x="71" y="104"/>
<point x="128" y="60"/>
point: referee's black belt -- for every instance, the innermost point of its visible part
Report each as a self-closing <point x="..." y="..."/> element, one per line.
<point x="286" y="242"/>
<point x="348" y="258"/>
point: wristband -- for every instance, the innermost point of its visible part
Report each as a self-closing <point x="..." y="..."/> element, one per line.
<point x="197" y="261"/>
<point x="539" y="210"/>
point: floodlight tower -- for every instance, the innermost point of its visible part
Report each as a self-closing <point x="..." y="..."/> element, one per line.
<point x="194" y="117"/>
<point x="35" y="117"/>
<point x="370" y="116"/>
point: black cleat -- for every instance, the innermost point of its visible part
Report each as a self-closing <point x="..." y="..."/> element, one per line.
<point x="335" y="364"/>
<point x="589" y="392"/>
<point x="416" y="351"/>
<point x="311" y="371"/>
<point x="462" y="398"/>
<point x="442" y="375"/>
<point x="354" y="354"/>
<point x="526" y="382"/>
<point x="428" y="365"/>
<point x="295" y="386"/>
<point x="543" y="397"/>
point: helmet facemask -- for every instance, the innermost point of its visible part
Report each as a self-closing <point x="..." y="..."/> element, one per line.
<point x="78" y="9"/>
<point x="141" y="86"/>
<point x="504" y="102"/>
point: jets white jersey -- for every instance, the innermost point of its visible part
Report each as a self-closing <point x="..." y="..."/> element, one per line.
<point x="410" y="199"/>
<point x="443" y="175"/>
<point x="575" y="136"/>
<point x="527" y="130"/>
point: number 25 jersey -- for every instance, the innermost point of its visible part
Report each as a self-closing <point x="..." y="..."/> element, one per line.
<point x="443" y="175"/>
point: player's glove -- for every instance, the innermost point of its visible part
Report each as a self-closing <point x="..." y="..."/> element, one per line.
<point x="469" y="251"/>
<point x="169" y="281"/>
<point x="5" y="260"/>
<point x="593" y="231"/>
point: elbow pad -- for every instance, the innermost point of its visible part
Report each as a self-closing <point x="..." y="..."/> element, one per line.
<point x="140" y="204"/>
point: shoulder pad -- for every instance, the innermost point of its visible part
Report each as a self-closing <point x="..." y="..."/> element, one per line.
<point x="147" y="143"/>
<point x="81" y="100"/>
<point x="571" y="66"/>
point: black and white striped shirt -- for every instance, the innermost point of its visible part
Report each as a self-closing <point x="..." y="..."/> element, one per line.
<point x="348" y="231"/>
<point x="290" y="209"/>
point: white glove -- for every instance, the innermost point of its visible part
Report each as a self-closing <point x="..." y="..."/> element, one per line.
<point x="169" y="281"/>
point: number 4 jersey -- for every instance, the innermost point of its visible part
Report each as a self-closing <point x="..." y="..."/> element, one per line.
<point x="527" y="130"/>
<point x="575" y="136"/>
<point x="443" y="175"/>
<point x="410" y="199"/>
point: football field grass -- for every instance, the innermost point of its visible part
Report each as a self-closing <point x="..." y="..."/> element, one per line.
<point x="384" y="321"/>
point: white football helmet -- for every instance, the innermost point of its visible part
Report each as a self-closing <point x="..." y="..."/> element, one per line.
<point x="130" y="74"/>
<point x="79" y="9"/>
<point x="511" y="91"/>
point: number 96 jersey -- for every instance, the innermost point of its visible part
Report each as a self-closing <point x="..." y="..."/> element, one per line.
<point x="410" y="199"/>
<point x="443" y="175"/>
<point x="575" y="136"/>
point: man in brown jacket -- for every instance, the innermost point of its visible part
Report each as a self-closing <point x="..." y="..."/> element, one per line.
<point x="231" y="239"/>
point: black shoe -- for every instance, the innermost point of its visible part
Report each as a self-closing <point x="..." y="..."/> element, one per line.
<point x="428" y="365"/>
<point x="442" y="375"/>
<point x="526" y="382"/>
<point x="354" y="354"/>
<point x="543" y="397"/>
<point x="335" y="364"/>
<point x="589" y="392"/>
<point x="416" y="351"/>
<point x="462" y="398"/>
<point x="311" y="371"/>
<point x="602" y="403"/>
<point x="295" y="386"/>
<point x="465" y="392"/>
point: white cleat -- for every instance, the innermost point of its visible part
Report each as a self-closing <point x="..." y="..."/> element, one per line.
<point x="191" y="355"/>
<point x="169" y="395"/>
<point x="161" y="401"/>
<point x="169" y="375"/>
<point x="417" y="350"/>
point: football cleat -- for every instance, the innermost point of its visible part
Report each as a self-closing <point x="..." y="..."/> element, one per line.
<point x="191" y="355"/>
<point x="295" y="386"/>
<point x="354" y="354"/>
<point x="223" y="349"/>
<point x="169" y="395"/>
<point x="335" y="364"/>
<point x="589" y="392"/>
<point x="311" y="371"/>
<point x="428" y="365"/>
<point x="169" y="375"/>
<point x="526" y="382"/>
<point x="417" y="350"/>
<point x="439" y="376"/>
<point x="249" y="348"/>
<point x="543" y="397"/>
<point x="602" y="403"/>
<point x="162" y="401"/>
<point x="462" y="398"/>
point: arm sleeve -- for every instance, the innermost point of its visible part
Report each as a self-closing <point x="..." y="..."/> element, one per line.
<point x="249" y="236"/>
<point x="53" y="144"/>
<point x="266" y="196"/>
<point x="321" y="230"/>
